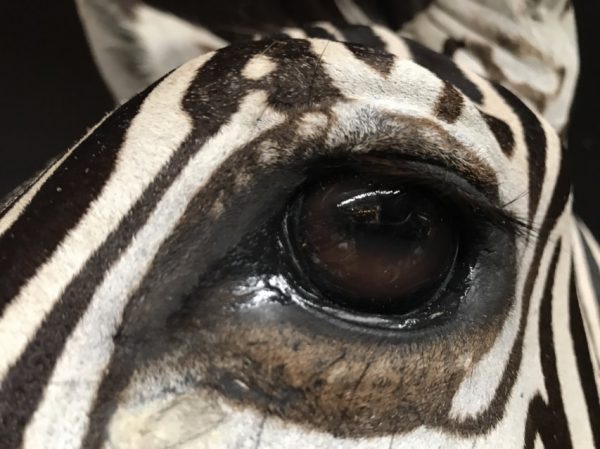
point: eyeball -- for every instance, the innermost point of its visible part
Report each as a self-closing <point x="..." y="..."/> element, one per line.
<point x="375" y="246"/>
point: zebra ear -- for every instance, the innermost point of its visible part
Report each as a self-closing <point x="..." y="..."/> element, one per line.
<point x="134" y="44"/>
<point x="528" y="46"/>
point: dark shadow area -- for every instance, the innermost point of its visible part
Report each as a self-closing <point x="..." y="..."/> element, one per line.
<point x="584" y="133"/>
<point x="52" y="93"/>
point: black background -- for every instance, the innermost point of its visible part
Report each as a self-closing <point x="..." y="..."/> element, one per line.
<point x="51" y="93"/>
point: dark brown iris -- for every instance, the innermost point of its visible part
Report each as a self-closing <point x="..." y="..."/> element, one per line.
<point x="377" y="247"/>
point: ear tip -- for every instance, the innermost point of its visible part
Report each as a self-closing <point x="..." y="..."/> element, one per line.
<point x="134" y="44"/>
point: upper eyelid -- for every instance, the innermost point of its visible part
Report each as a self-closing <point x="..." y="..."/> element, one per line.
<point x="421" y="139"/>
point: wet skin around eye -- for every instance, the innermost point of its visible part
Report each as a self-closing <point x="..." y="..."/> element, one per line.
<point x="256" y="330"/>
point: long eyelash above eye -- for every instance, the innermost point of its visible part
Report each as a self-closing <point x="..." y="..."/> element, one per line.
<point x="478" y="204"/>
<point x="498" y="216"/>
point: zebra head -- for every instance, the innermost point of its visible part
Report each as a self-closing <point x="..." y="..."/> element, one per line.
<point x="308" y="236"/>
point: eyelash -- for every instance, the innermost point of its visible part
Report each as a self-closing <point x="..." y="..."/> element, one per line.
<point x="480" y="207"/>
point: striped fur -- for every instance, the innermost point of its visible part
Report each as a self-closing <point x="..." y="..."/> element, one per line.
<point x="142" y="299"/>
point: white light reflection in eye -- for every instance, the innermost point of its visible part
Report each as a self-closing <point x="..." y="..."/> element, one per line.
<point x="362" y="196"/>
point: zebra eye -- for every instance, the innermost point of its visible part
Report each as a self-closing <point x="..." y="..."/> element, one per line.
<point x="373" y="246"/>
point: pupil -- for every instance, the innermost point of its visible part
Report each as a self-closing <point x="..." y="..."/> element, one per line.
<point x="384" y="222"/>
<point x="375" y="247"/>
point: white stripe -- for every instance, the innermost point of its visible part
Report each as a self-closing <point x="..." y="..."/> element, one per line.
<point x="353" y="13"/>
<point x="566" y="363"/>
<point x="60" y="421"/>
<point x="167" y="41"/>
<point x="155" y="133"/>
<point x="337" y="34"/>
<point x="588" y="301"/>
<point x="294" y="33"/>
<point x="407" y="86"/>
<point x="394" y="44"/>
<point x="258" y="67"/>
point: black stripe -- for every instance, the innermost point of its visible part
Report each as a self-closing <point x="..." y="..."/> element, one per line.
<point x="287" y="89"/>
<point x="392" y="13"/>
<point x="380" y="61"/>
<point x="33" y="369"/>
<point x="364" y="35"/>
<point x="548" y="420"/>
<point x="319" y="33"/>
<point x="496" y="409"/>
<point x="535" y="139"/>
<point x="584" y="363"/>
<point x="451" y="45"/>
<point x="60" y="203"/>
<point x="443" y="67"/>
<point x="397" y="12"/>
<point x="502" y="132"/>
<point x="17" y="193"/>
<point x="40" y="229"/>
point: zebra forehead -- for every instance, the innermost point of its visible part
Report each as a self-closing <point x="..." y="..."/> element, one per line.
<point x="347" y="81"/>
<point x="302" y="75"/>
